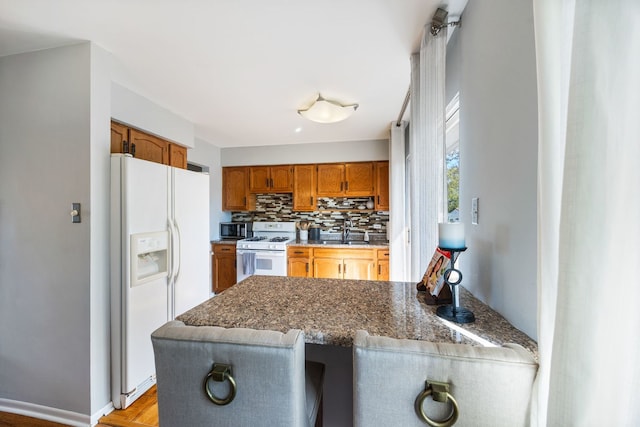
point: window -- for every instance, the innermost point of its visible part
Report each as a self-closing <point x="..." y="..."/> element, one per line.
<point x="452" y="160"/>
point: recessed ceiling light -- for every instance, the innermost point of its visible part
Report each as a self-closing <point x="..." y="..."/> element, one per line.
<point x="298" y="130"/>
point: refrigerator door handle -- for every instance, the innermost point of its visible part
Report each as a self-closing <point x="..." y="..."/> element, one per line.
<point x="171" y="253"/>
<point x="179" y="255"/>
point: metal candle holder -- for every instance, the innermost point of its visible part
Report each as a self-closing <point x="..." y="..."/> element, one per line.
<point x="454" y="312"/>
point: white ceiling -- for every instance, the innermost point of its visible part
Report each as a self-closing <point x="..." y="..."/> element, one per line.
<point x="239" y="69"/>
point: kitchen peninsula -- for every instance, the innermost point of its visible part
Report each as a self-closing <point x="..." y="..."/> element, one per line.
<point x="329" y="311"/>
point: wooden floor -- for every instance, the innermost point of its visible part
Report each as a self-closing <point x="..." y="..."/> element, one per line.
<point x="142" y="413"/>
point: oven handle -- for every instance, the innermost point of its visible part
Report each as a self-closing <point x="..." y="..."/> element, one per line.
<point x="260" y="252"/>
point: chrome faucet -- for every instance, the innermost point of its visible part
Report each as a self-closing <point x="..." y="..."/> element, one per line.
<point x="346" y="230"/>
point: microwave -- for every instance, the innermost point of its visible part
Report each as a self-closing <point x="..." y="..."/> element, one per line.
<point x="236" y="230"/>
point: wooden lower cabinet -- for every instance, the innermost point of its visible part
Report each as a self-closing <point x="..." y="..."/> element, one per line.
<point x="383" y="264"/>
<point x="299" y="262"/>
<point x="357" y="264"/>
<point x="223" y="266"/>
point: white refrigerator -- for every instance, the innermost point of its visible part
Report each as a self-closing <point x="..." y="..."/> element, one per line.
<point x="160" y="262"/>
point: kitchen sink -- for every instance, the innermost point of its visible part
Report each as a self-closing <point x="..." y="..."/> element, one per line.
<point x="348" y="242"/>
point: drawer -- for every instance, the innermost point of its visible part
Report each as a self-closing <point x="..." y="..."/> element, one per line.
<point x="222" y="248"/>
<point x="344" y="253"/>
<point x="296" y="251"/>
<point x="383" y="253"/>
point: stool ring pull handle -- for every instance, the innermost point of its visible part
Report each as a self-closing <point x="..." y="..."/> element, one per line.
<point x="220" y="373"/>
<point x="440" y="393"/>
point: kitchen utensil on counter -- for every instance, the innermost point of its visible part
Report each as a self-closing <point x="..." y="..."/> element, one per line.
<point x="314" y="233"/>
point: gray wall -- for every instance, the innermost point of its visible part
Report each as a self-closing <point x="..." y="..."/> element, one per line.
<point x="55" y="112"/>
<point x="347" y="151"/>
<point x="131" y="108"/>
<point x="494" y="50"/>
<point x="100" y="311"/>
<point x="52" y="274"/>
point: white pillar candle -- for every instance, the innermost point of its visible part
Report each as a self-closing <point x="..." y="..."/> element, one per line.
<point x="451" y="235"/>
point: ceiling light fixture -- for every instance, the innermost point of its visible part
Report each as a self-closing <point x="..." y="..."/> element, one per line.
<point x="327" y="111"/>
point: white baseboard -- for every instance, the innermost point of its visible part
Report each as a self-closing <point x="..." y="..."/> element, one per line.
<point x="45" y="413"/>
<point x="109" y="408"/>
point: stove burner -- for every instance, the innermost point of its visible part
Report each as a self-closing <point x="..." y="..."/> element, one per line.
<point x="278" y="239"/>
<point x="254" y="239"/>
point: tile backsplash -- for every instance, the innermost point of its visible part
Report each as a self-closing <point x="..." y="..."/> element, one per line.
<point x="330" y="214"/>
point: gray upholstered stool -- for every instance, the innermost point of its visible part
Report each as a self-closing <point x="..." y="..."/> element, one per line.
<point x="491" y="386"/>
<point x="211" y="376"/>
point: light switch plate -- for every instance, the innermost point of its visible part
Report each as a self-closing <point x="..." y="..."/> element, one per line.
<point x="474" y="211"/>
<point x="75" y="208"/>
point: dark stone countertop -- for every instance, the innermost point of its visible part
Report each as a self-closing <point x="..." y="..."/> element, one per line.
<point x="329" y="311"/>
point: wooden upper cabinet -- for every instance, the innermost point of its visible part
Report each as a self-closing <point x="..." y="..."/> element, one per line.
<point x="271" y="179"/>
<point x="119" y="135"/>
<point x="177" y="156"/>
<point x="345" y="179"/>
<point x="359" y="179"/>
<point x="149" y="147"/>
<point x="330" y="180"/>
<point x="259" y="179"/>
<point x="382" y="186"/>
<point x="304" y="184"/>
<point x="282" y="178"/>
<point x="235" y="185"/>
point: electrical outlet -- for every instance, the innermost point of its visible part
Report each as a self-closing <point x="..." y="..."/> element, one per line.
<point x="474" y="211"/>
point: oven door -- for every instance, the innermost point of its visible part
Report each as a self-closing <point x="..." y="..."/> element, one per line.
<point x="263" y="263"/>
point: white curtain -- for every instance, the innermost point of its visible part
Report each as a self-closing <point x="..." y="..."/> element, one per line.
<point x="396" y="226"/>
<point x="588" y="59"/>
<point x="427" y="145"/>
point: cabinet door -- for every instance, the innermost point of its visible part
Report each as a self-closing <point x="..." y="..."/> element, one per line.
<point x="330" y="180"/>
<point x="359" y="179"/>
<point x="359" y="269"/>
<point x="119" y="134"/>
<point x="281" y="180"/>
<point x="225" y="270"/>
<point x="382" y="186"/>
<point x="383" y="264"/>
<point x="304" y="182"/>
<point x="177" y="156"/>
<point x="149" y="147"/>
<point x="259" y="179"/>
<point x="234" y="189"/>
<point x="299" y="267"/>
<point x="383" y="269"/>
<point x="327" y="268"/>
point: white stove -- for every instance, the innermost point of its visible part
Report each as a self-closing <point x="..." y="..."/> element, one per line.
<point x="266" y="252"/>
